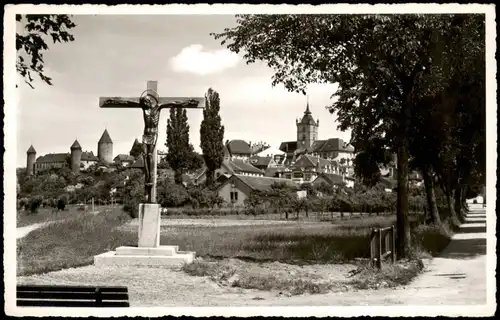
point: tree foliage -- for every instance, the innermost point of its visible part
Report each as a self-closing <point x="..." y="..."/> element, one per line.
<point x="383" y="65"/>
<point x="181" y="156"/>
<point x="212" y="135"/>
<point x="30" y="43"/>
<point x="137" y="149"/>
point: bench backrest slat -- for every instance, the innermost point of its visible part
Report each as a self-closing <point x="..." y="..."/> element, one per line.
<point x="77" y="304"/>
<point x="69" y="288"/>
<point x="71" y="295"/>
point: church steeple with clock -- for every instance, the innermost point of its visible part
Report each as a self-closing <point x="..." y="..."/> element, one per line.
<point x="307" y="129"/>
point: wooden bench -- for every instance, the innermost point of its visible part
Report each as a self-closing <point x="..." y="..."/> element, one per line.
<point x="71" y="296"/>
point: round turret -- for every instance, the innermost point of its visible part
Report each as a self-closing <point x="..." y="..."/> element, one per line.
<point x="31" y="158"/>
<point x="76" y="157"/>
<point x="105" y="148"/>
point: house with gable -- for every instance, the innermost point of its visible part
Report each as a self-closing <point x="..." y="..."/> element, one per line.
<point x="124" y="160"/>
<point x="238" y="149"/>
<point x="307" y="167"/>
<point x="237" y="188"/>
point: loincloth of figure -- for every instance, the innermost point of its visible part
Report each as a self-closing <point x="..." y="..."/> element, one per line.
<point x="149" y="136"/>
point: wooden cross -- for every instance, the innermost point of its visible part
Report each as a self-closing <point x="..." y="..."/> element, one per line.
<point x="161" y="103"/>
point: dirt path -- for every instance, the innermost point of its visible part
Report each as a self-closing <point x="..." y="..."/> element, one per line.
<point x="21" y="232"/>
<point x="457" y="277"/>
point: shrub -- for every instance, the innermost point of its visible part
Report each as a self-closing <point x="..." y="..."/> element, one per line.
<point x="62" y="202"/>
<point x="23" y="203"/>
<point x="431" y="238"/>
<point x="34" y="203"/>
<point x="131" y="206"/>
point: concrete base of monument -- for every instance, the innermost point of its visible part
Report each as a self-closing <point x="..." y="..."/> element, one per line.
<point x="167" y="256"/>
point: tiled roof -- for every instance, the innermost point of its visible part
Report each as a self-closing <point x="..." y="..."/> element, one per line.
<point x="332" y="178"/>
<point x="105" y="138"/>
<point x="238" y="165"/>
<point x="52" y="157"/>
<point x="139" y="163"/>
<point x="307" y="118"/>
<point x="332" y="144"/>
<point x="271" y="172"/>
<point x="308" y="161"/>
<point x="31" y="150"/>
<point x="124" y="158"/>
<point x="292" y="146"/>
<point x="89" y="156"/>
<point x="238" y="147"/>
<point x="76" y="145"/>
<point x="260" y="161"/>
<point x="263" y="183"/>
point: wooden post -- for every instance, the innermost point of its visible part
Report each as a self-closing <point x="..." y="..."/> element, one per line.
<point x="93" y="206"/>
<point x="155" y="175"/>
<point x="372" y="247"/>
<point x="393" y="249"/>
<point x="379" y="251"/>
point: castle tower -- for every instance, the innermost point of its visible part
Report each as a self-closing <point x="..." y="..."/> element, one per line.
<point x="105" y="148"/>
<point x="76" y="156"/>
<point x="307" y="129"/>
<point x="31" y="158"/>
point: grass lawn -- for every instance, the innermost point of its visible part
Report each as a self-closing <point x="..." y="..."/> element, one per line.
<point x="74" y="242"/>
<point x="25" y="218"/>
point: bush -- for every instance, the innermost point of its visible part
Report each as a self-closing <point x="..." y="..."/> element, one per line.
<point x="34" y="203"/>
<point x="23" y="203"/>
<point x="431" y="238"/>
<point x="131" y="206"/>
<point x="62" y="202"/>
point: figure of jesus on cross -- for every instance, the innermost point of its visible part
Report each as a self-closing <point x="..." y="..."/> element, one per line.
<point x="151" y="105"/>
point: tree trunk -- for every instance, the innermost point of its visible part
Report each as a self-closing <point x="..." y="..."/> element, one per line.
<point x="458" y="201"/>
<point x="451" y="208"/>
<point x="209" y="177"/>
<point x="402" y="223"/>
<point x="431" y="196"/>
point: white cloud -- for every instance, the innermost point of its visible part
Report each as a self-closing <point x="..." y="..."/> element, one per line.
<point x="193" y="59"/>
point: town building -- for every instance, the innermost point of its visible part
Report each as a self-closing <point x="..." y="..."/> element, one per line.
<point x="238" y="149"/>
<point x="237" y="188"/>
<point x="124" y="160"/>
<point x="333" y="180"/>
<point x="51" y="160"/>
<point x="228" y="168"/>
<point x="76" y="160"/>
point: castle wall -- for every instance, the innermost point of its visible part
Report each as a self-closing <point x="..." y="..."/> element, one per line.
<point x="76" y="156"/>
<point x="30" y="165"/>
<point x="105" y="152"/>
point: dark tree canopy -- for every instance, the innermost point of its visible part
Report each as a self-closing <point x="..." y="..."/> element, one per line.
<point x="30" y="44"/>
<point x="181" y="156"/>
<point x="212" y="135"/>
<point x="384" y="66"/>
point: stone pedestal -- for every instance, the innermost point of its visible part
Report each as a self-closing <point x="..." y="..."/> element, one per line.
<point x="149" y="225"/>
<point x="149" y="252"/>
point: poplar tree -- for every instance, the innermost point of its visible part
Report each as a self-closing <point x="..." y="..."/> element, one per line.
<point x="180" y="155"/>
<point x="212" y="135"/>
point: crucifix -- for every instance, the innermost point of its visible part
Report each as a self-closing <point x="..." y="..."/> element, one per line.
<point x="151" y="104"/>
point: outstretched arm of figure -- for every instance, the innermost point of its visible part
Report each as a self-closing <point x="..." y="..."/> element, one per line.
<point x="181" y="104"/>
<point x="119" y="103"/>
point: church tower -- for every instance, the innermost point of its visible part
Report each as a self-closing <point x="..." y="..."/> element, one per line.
<point x="307" y="129"/>
<point x="105" y="148"/>
<point x="30" y="165"/>
<point x="76" y="156"/>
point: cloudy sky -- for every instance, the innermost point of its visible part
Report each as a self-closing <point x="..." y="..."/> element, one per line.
<point x="115" y="55"/>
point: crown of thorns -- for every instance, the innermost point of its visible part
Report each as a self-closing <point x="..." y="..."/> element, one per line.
<point x="150" y="93"/>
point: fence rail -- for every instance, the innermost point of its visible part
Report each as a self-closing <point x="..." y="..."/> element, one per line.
<point x="382" y="245"/>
